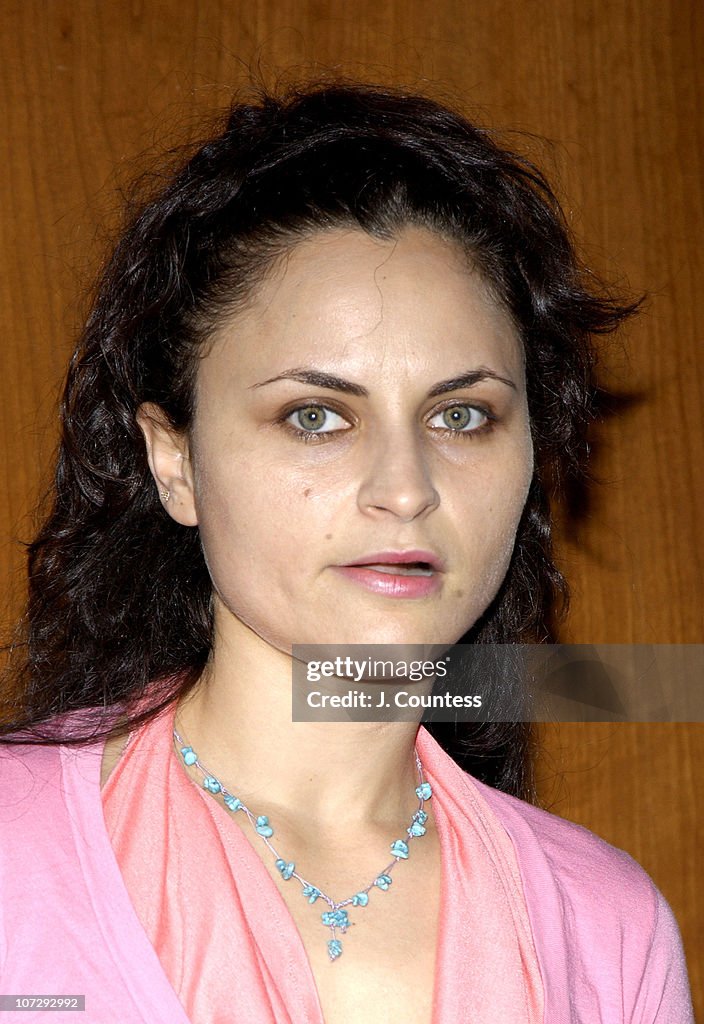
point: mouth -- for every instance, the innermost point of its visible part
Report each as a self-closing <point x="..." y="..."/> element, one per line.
<point x="412" y="562"/>
<point x="398" y="574"/>
<point x="399" y="568"/>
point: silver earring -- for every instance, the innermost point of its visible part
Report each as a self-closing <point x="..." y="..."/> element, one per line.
<point x="165" y="495"/>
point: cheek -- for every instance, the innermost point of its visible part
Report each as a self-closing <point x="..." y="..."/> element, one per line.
<point x="497" y="514"/>
<point x="512" y="486"/>
<point x="250" y="516"/>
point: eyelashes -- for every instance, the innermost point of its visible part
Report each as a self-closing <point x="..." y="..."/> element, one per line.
<point x="458" y="420"/>
<point x="318" y="416"/>
<point x="460" y="416"/>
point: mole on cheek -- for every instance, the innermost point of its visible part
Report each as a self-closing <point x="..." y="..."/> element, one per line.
<point x="306" y="492"/>
<point x="328" y="536"/>
<point x="459" y="593"/>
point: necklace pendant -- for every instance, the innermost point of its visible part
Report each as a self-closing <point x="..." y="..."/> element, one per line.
<point x="336" y="919"/>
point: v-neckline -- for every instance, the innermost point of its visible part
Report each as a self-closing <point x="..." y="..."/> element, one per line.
<point x="239" y="842"/>
<point x="133" y="943"/>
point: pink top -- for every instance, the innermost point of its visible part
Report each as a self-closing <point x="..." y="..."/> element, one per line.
<point x="607" y="944"/>
<point x="207" y="890"/>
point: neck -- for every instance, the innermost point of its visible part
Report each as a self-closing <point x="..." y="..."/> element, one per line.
<point x="328" y="774"/>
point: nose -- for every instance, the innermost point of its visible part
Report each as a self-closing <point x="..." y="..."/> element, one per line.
<point x="397" y="479"/>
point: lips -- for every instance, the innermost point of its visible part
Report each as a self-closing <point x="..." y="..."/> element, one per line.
<point x="396" y="574"/>
<point x="415" y="562"/>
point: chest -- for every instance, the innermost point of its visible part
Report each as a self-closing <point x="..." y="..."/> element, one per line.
<point x="387" y="969"/>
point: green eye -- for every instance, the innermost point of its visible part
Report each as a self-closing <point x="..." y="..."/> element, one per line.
<point x="461" y="418"/>
<point x="311" y="419"/>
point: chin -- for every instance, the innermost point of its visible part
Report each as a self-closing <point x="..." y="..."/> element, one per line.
<point x="397" y="635"/>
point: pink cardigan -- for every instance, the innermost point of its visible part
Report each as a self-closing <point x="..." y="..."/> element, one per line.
<point x="608" y="946"/>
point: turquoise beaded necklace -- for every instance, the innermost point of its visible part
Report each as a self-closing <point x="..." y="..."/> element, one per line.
<point x="335" y="918"/>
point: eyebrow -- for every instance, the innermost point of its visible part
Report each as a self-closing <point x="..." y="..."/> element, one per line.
<point x="319" y="379"/>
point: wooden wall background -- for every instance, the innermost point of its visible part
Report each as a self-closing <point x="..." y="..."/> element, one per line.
<point x="93" y="89"/>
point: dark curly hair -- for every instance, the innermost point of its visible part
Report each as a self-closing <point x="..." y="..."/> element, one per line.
<point x="281" y="169"/>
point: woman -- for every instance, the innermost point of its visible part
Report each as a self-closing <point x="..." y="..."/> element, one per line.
<point x="329" y="371"/>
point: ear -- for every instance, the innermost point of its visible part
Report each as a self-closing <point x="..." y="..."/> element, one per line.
<point x="169" y="461"/>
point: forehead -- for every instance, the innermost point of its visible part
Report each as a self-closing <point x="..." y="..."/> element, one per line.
<point x="342" y="297"/>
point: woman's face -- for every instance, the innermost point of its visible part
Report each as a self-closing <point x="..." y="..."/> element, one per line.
<point x="370" y="400"/>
